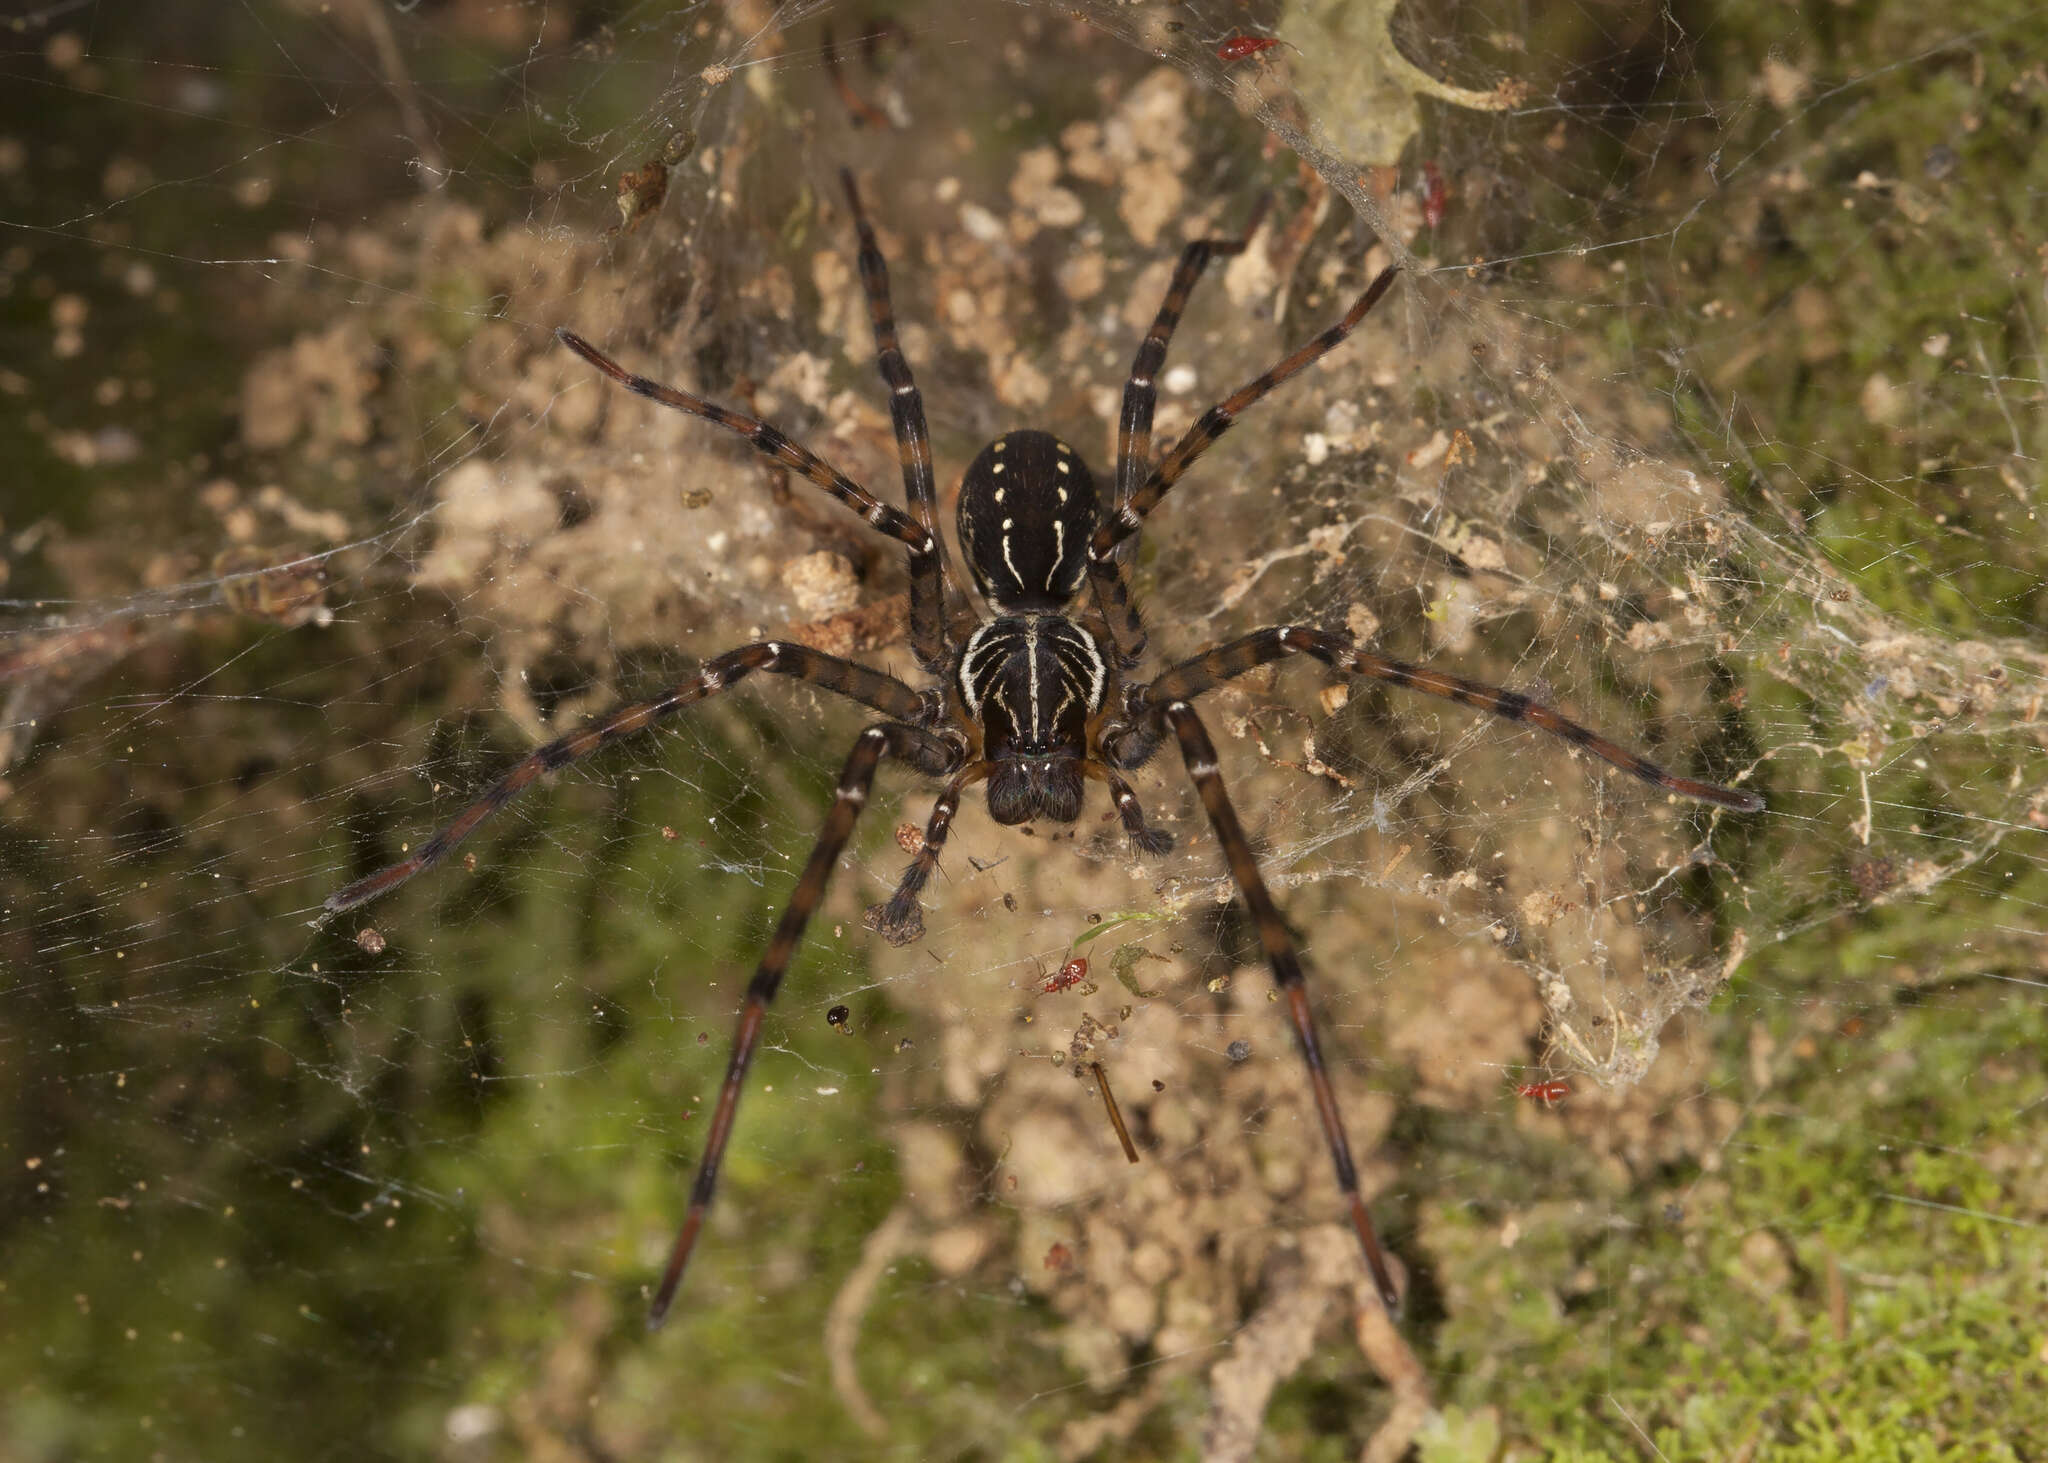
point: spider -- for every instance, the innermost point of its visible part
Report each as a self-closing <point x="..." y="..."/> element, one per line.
<point x="1033" y="696"/>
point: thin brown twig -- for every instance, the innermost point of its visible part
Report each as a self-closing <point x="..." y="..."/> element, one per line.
<point x="891" y="1239"/>
<point x="391" y="61"/>
<point x="1116" y="1118"/>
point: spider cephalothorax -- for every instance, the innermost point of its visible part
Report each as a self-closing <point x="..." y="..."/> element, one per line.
<point x="1036" y="698"/>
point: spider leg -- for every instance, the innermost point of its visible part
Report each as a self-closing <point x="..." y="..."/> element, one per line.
<point x="913" y="445"/>
<point x="885" y="694"/>
<point x="854" y="781"/>
<point x="1200" y="755"/>
<point x="1147" y="838"/>
<point x="1112" y="593"/>
<point x="769" y="442"/>
<point x="1141" y="393"/>
<point x="1192" y="678"/>
<point x="1141" y="390"/>
<point x="900" y="921"/>
<point x="863" y="112"/>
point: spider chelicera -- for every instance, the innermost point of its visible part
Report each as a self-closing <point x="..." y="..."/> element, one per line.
<point x="1035" y="696"/>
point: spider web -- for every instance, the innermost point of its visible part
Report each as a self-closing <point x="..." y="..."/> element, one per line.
<point x="1707" y="410"/>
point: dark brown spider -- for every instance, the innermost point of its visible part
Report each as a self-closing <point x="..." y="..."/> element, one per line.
<point x="1028" y="697"/>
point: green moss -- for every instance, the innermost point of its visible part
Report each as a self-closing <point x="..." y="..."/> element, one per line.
<point x="1887" y="1185"/>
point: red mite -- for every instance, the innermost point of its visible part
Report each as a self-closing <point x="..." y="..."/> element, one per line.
<point x="1238" y="47"/>
<point x="1544" y="1092"/>
<point x="1071" y="974"/>
<point x="1434" y="195"/>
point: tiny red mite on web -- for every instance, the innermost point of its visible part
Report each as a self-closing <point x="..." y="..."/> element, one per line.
<point x="1236" y="48"/>
<point x="1071" y="974"/>
<point x="1435" y="194"/>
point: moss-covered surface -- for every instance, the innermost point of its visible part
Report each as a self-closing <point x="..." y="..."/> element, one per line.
<point x="1835" y="295"/>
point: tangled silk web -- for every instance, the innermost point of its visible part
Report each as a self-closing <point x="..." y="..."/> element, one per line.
<point x="254" y="667"/>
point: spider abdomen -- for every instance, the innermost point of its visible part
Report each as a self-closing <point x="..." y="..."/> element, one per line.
<point x="1027" y="510"/>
